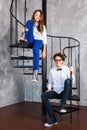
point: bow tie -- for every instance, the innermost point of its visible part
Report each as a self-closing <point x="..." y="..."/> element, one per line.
<point x="59" y="69"/>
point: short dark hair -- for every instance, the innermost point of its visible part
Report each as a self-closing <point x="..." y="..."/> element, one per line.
<point x="60" y="55"/>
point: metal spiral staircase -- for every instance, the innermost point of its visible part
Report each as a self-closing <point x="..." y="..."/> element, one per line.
<point x="70" y="47"/>
<point x="18" y="57"/>
<point x="21" y="55"/>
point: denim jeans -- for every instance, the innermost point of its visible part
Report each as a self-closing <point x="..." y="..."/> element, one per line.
<point x="53" y="95"/>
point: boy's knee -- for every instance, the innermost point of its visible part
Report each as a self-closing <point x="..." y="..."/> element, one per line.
<point x="67" y="82"/>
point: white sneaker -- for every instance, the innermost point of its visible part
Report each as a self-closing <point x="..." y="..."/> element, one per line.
<point x="51" y="123"/>
<point x="34" y="80"/>
<point x="35" y="76"/>
<point x="22" y="40"/>
<point x="63" y="111"/>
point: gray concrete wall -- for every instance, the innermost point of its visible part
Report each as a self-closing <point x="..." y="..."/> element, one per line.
<point x="14" y="86"/>
<point x="64" y="17"/>
<point x="69" y="18"/>
<point x="11" y="80"/>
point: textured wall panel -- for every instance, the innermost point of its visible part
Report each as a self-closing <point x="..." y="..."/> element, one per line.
<point x="69" y="18"/>
<point x="64" y="17"/>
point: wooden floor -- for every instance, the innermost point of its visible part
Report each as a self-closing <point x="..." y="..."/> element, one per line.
<point x="28" y="116"/>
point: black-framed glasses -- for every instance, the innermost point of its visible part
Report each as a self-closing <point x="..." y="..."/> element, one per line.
<point x="58" y="60"/>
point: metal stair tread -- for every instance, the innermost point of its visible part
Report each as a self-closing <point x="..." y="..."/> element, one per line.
<point x="21" y="45"/>
<point x="24" y="66"/>
<point x="29" y="73"/>
<point x="69" y="109"/>
<point x="13" y="57"/>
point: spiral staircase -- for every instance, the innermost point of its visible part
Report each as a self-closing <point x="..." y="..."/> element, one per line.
<point x="21" y="55"/>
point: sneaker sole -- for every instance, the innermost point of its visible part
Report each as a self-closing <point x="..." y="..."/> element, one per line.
<point x="22" y="40"/>
<point x="33" y="80"/>
<point x="63" y="111"/>
<point x="47" y="125"/>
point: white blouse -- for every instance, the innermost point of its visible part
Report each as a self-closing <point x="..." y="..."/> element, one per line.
<point x="40" y="36"/>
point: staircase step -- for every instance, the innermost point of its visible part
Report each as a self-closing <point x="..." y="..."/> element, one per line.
<point x="25" y="73"/>
<point x="21" y="45"/>
<point x="24" y="66"/>
<point x="13" y="57"/>
<point x="21" y="58"/>
<point x="75" y="97"/>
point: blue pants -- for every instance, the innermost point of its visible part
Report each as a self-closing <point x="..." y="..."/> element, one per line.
<point x="37" y="45"/>
<point x="53" y="95"/>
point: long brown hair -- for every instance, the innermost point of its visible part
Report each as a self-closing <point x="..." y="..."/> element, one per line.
<point x="41" y="22"/>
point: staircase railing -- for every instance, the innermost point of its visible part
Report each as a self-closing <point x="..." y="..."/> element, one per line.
<point x="70" y="47"/>
<point x="63" y="44"/>
<point x="11" y="13"/>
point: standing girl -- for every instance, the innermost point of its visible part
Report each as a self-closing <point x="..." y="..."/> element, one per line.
<point x="35" y="33"/>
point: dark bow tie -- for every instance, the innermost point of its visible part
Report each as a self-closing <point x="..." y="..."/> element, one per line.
<point x="59" y="69"/>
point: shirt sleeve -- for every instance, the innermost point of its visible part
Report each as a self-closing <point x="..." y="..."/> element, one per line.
<point x="50" y="81"/>
<point x="44" y="35"/>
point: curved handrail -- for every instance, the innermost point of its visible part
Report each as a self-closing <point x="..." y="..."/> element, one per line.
<point x="14" y="15"/>
<point x="68" y="48"/>
<point x="65" y="37"/>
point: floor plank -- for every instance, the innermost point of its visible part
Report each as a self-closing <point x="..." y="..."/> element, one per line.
<point x="28" y="116"/>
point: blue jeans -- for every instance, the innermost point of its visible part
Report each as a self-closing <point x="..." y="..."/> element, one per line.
<point x="37" y="45"/>
<point x="53" y="95"/>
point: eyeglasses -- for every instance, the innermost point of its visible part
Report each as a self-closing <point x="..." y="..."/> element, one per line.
<point x="58" y="60"/>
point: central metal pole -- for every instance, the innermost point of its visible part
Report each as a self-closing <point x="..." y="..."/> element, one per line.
<point x="44" y="61"/>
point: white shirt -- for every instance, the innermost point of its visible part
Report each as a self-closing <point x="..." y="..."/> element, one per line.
<point x="40" y="36"/>
<point x="57" y="78"/>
